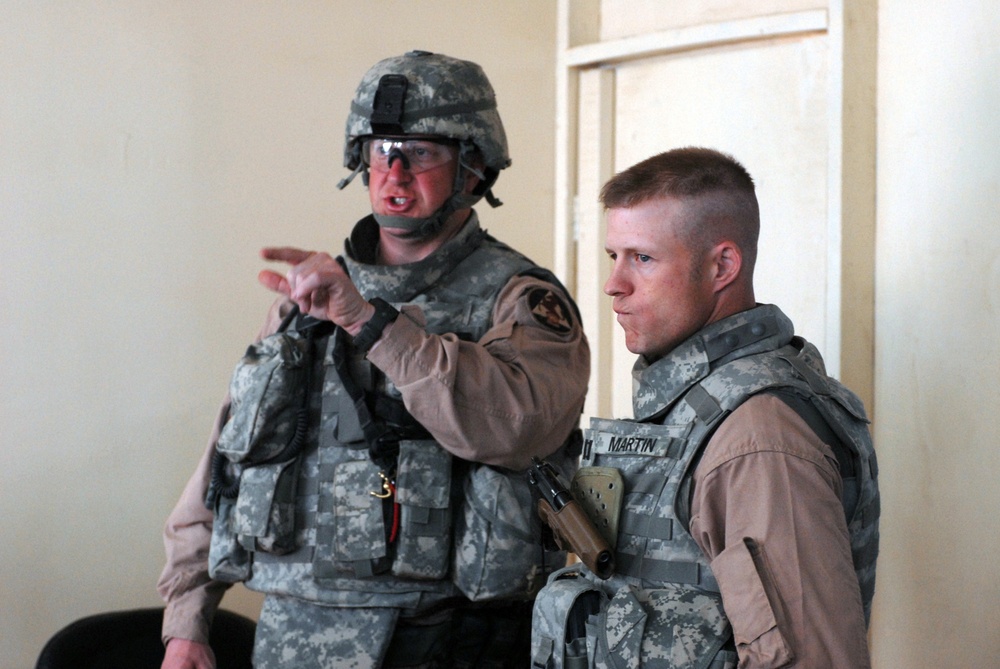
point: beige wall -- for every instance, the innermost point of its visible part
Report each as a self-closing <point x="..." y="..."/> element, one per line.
<point x="937" y="342"/>
<point x="147" y="151"/>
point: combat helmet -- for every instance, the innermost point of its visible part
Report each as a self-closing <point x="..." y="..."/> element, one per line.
<point x="430" y="95"/>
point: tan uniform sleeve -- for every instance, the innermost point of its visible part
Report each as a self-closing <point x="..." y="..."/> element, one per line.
<point x="191" y="596"/>
<point x="515" y="393"/>
<point x="767" y="512"/>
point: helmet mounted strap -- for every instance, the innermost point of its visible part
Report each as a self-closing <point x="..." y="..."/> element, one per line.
<point x="492" y="199"/>
<point x="387" y="106"/>
<point x="484" y="189"/>
<point x="342" y="184"/>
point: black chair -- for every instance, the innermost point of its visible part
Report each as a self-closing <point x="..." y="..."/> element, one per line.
<point x="131" y="640"/>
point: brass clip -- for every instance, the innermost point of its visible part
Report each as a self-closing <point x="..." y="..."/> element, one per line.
<point x="387" y="489"/>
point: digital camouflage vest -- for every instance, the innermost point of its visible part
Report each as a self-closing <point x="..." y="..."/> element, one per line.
<point x="663" y="607"/>
<point x="331" y="525"/>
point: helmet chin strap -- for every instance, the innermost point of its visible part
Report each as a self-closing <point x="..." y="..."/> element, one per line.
<point x="418" y="228"/>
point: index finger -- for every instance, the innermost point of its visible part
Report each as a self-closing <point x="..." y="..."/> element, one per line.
<point x="288" y="254"/>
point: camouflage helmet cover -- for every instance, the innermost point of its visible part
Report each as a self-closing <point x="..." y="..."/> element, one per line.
<point x="444" y="97"/>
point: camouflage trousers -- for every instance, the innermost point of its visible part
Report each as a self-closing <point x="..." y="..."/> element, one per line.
<point x="304" y="635"/>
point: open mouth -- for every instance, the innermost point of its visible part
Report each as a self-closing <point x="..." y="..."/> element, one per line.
<point x="397" y="204"/>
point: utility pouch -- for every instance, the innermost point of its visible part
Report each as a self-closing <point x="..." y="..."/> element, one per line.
<point x="618" y="631"/>
<point x="267" y="399"/>
<point x="559" y="619"/>
<point x="423" y="492"/>
<point x="359" y="537"/>
<point x="497" y="552"/>
<point x="227" y="560"/>
<point x="675" y="627"/>
<point x="575" y="623"/>
<point x="264" y="516"/>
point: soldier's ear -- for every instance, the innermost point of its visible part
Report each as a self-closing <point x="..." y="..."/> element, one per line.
<point x="727" y="261"/>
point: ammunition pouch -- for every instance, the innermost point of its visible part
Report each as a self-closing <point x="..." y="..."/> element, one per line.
<point x="254" y="477"/>
<point x="577" y="623"/>
<point x="558" y="623"/>
<point x="423" y="492"/>
<point x="358" y="544"/>
<point x="227" y="560"/>
<point x="406" y="533"/>
<point x="260" y="519"/>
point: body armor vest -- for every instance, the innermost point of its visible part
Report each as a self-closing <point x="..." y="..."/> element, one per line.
<point x="332" y="525"/>
<point x="663" y="604"/>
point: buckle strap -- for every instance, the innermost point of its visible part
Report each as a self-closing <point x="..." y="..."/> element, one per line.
<point x="816" y="382"/>
<point x="704" y="405"/>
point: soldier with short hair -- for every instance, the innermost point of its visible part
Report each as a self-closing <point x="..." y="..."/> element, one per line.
<point x="742" y="497"/>
<point x="366" y="469"/>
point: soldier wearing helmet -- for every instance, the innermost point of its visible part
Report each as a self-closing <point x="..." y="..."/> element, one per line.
<point x="366" y="469"/>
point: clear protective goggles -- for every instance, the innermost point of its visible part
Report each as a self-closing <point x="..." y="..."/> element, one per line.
<point x="417" y="155"/>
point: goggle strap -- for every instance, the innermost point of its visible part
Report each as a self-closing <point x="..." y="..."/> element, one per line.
<point x="418" y="114"/>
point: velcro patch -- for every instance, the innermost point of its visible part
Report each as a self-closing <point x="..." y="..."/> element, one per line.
<point x="549" y="310"/>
